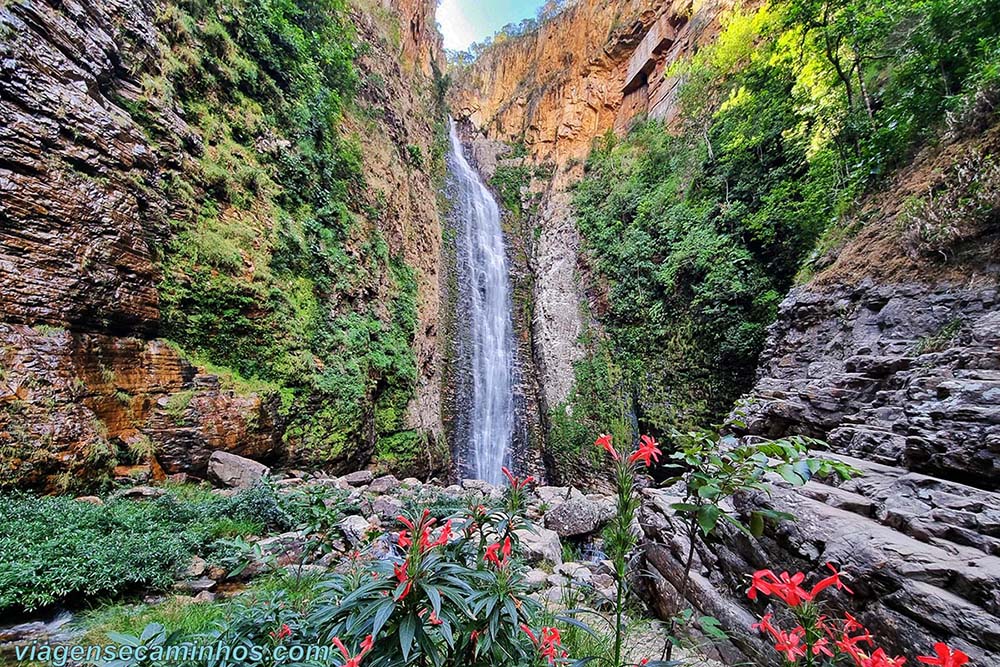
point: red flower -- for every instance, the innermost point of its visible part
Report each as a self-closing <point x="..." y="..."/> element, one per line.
<point x="474" y="635"/>
<point x="516" y="484"/>
<point x="786" y="587"/>
<point x="822" y="645"/>
<point x="491" y="553"/>
<point x="432" y="619"/>
<point x="851" y="624"/>
<point x="790" y="643"/>
<point x="946" y="657"/>
<point x="283" y="632"/>
<point x="353" y="661"/>
<point x="648" y="449"/>
<point x="832" y="580"/>
<point x="880" y="659"/>
<point x="404" y="578"/>
<point x="548" y="642"/>
<point x="765" y="626"/>
<point x="604" y="442"/>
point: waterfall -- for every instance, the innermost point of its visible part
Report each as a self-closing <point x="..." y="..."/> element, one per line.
<point x="486" y="343"/>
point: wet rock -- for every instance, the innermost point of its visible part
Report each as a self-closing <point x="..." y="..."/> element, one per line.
<point x="205" y="596"/>
<point x="235" y="471"/>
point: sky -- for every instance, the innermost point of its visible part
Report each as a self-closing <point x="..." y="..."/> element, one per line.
<point x="466" y="21"/>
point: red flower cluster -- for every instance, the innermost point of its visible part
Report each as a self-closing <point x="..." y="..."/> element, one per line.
<point x="491" y="553"/>
<point x="423" y="527"/>
<point x="829" y="638"/>
<point x="648" y="449"/>
<point x="426" y="542"/>
<point x="403" y="577"/>
<point x="281" y="633"/>
<point x="515" y="483"/>
<point x="788" y="588"/>
<point x="355" y="660"/>
<point x="944" y="657"/>
<point x="549" y="643"/>
<point x="648" y="452"/>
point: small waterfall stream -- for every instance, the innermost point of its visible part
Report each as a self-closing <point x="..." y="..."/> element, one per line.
<point x="486" y="396"/>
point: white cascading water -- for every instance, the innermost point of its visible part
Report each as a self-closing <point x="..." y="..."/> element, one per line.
<point x="485" y="305"/>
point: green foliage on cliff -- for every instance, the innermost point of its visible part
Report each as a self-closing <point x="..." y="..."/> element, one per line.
<point x="795" y="111"/>
<point x="268" y="271"/>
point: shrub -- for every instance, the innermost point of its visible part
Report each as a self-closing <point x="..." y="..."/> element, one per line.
<point x="57" y="548"/>
<point x="965" y="204"/>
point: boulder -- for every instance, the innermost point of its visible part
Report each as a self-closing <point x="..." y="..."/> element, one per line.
<point x="235" y="471"/>
<point x="535" y="579"/>
<point x="606" y="506"/>
<point x="554" y="496"/>
<point x="540" y="544"/>
<point x="387" y="507"/>
<point x="576" y="516"/>
<point x="358" y="478"/>
<point x="138" y="492"/>
<point x="575" y="571"/>
<point x="354" y="528"/>
<point x="384" y="484"/>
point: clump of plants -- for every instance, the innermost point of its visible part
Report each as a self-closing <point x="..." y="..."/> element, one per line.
<point x="56" y="548"/>
<point x="965" y="205"/>
<point x="816" y="637"/>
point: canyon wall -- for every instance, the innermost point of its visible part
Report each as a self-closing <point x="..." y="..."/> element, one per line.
<point x="593" y="68"/>
<point x="890" y="357"/>
<point x="87" y="220"/>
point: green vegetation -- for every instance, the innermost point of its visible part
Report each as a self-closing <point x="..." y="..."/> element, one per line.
<point x="57" y="548"/>
<point x="270" y="276"/>
<point x="796" y="110"/>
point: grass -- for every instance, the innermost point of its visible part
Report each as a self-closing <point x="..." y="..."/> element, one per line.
<point x="182" y="614"/>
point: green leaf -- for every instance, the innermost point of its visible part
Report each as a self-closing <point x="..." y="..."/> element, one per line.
<point x="577" y="624"/>
<point x="406" y="631"/>
<point x="711" y="627"/>
<point x="708" y="517"/>
<point x="756" y="524"/>
<point x="382" y="615"/>
<point x="684" y="507"/>
<point x="710" y="491"/>
<point x="124" y="640"/>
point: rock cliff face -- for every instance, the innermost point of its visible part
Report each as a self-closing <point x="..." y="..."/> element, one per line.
<point x="85" y="223"/>
<point x="591" y="69"/>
